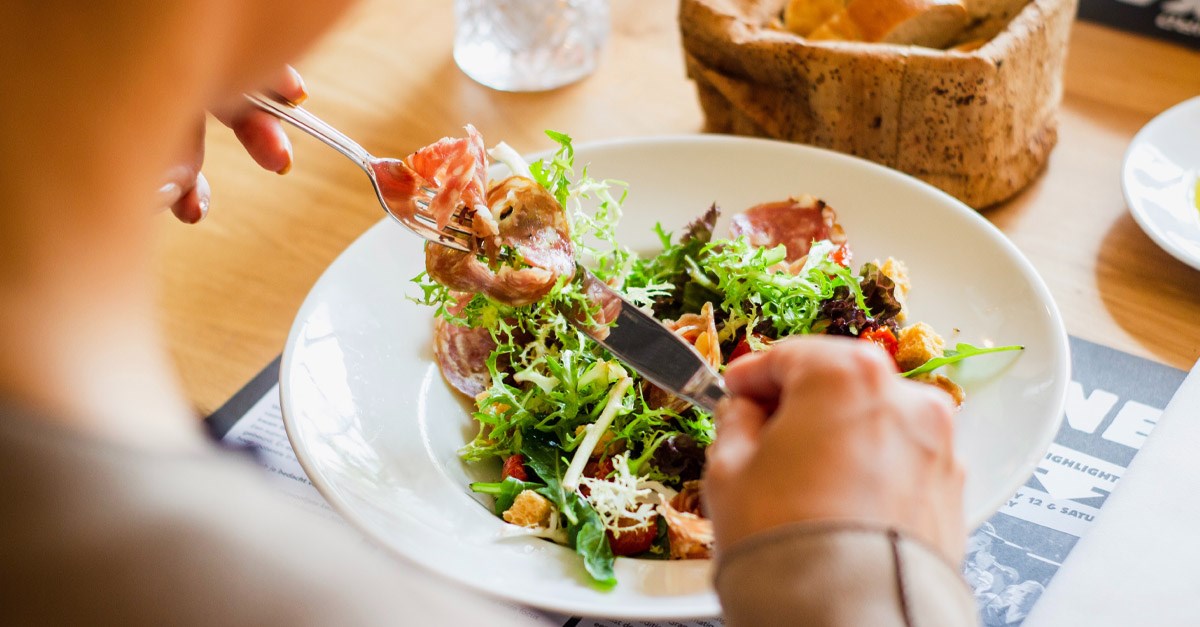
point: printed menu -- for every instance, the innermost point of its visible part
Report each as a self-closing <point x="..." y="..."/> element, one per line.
<point x="1113" y="403"/>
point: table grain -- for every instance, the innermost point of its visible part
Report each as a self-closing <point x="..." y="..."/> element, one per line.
<point x="230" y="286"/>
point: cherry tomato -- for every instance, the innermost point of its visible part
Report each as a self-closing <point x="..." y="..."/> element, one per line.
<point x="884" y="338"/>
<point x="598" y="468"/>
<point x="635" y="541"/>
<point x="514" y="467"/>
<point x="842" y="256"/>
<point x="743" y="347"/>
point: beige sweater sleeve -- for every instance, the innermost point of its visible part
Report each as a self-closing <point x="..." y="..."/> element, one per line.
<point x="837" y="574"/>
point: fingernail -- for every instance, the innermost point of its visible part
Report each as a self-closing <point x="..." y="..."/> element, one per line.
<point x="287" y="167"/>
<point x="168" y="194"/>
<point x="300" y="82"/>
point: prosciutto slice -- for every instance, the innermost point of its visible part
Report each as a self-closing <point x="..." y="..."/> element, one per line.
<point x="795" y="223"/>
<point x="689" y="533"/>
<point x="531" y="251"/>
<point x="700" y="330"/>
<point x="462" y="355"/>
<point x="456" y="168"/>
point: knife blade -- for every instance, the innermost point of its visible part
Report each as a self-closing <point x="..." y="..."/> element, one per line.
<point x="645" y="345"/>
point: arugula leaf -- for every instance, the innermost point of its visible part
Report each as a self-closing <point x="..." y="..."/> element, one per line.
<point x="591" y="541"/>
<point x="585" y="530"/>
<point x="960" y="352"/>
<point x="505" y="492"/>
<point x="542" y="457"/>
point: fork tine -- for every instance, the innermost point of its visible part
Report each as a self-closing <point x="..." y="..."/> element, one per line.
<point x="461" y="215"/>
<point x="461" y="220"/>
<point x="454" y="228"/>
<point x="457" y="242"/>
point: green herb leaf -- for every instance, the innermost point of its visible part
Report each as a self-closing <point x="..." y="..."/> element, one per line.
<point x="591" y="542"/>
<point x="960" y="352"/>
<point x="505" y="492"/>
<point x="585" y="530"/>
<point x="554" y="175"/>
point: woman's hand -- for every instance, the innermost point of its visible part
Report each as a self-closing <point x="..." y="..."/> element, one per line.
<point x="822" y="429"/>
<point x="186" y="191"/>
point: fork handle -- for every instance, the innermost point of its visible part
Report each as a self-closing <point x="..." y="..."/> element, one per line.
<point x="302" y="119"/>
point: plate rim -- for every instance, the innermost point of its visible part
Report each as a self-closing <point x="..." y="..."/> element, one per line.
<point x="1133" y="203"/>
<point x="708" y="607"/>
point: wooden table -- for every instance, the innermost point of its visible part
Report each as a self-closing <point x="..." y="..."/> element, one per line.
<point x="231" y="285"/>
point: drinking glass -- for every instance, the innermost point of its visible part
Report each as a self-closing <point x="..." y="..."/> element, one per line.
<point x="529" y="45"/>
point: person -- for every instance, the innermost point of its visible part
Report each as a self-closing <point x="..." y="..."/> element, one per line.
<point x="833" y="485"/>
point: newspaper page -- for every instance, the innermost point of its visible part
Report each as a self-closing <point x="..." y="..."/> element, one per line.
<point x="1113" y="402"/>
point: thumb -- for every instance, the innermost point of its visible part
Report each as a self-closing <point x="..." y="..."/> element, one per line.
<point x="739" y="421"/>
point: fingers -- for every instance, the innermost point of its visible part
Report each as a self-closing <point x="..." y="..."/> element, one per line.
<point x="179" y="189"/>
<point x="187" y="192"/>
<point x="769" y="375"/>
<point x="290" y="85"/>
<point x="260" y="133"/>
<point x="930" y="417"/>
<point x="859" y="441"/>
<point x="193" y="205"/>
<point x="263" y="138"/>
<point x="739" y="421"/>
<point x="751" y="375"/>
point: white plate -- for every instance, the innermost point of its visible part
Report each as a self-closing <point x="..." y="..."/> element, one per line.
<point x="377" y="428"/>
<point x="1160" y="174"/>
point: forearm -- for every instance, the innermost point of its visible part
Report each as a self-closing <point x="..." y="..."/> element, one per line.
<point x="839" y="574"/>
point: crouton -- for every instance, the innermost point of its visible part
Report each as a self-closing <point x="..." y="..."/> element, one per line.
<point x="895" y="270"/>
<point x="529" y="509"/>
<point x="941" y="381"/>
<point x="918" y="344"/>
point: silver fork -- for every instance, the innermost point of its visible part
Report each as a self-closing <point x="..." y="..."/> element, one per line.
<point x="412" y="213"/>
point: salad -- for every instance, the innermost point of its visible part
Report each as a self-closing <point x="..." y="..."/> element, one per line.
<point x="591" y="455"/>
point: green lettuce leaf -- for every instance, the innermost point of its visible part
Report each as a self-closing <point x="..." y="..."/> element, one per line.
<point x="961" y="351"/>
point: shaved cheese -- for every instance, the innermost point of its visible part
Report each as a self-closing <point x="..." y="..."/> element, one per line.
<point x="505" y="154"/>
<point x="623" y="501"/>
<point x="664" y="491"/>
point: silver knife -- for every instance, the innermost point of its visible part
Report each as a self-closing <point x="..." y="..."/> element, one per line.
<point x="644" y="344"/>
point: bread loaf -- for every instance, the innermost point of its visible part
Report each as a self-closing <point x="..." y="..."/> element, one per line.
<point x="804" y="16"/>
<point x="929" y="23"/>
